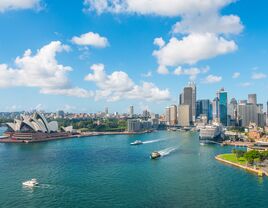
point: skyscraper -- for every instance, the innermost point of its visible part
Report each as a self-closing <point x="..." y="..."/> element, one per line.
<point x="247" y="113"/>
<point x="187" y="99"/>
<point x="215" y="109"/>
<point x="203" y="107"/>
<point x="252" y="99"/>
<point x="184" y="117"/>
<point x="173" y="114"/>
<point x="106" y="110"/>
<point x="167" y="115"/>
<point x="193" y="86"/>
<point x="222" y="95"/>
<point x="131" y="111"/>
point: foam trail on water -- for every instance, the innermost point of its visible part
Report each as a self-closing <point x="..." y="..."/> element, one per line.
<point x="167" y="151"/>
<point x="155" y="140"/>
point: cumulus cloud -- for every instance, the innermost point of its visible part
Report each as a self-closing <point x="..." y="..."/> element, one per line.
<point x="91" y="39"/>
<point x="258" y="75"/>
<point x="119" y="85"/>
<point x="201" y="23"/>
<point x="193" y="48"/>
<point x="236" y="75"/>
<point x="209" y="23"/>
<point x="41" y="70"/>
<point x="155" y="7"/>
<point x="19" y="4"/>
<point x="192" y="72"/>
<point x="159" y="42"/>
<point x="211" y="79"/>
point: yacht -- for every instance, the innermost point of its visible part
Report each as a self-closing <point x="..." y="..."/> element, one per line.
<point x="137" y="142"/>
<point x="155" y="155"/>
<point x="31" y="183"/>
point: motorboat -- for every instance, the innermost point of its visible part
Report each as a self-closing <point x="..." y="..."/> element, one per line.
<point x="155" y="155"/>
<point x="31" y="183"/>
<point x="137" y="142"/>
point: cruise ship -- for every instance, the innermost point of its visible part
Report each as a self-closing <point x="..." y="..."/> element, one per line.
<point x="210" y="133"/>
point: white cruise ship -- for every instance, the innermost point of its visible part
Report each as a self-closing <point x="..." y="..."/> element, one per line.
<point x="210" y="132"/>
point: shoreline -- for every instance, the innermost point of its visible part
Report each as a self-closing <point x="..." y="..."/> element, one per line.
<point x="86" y="134"/>
<point x="259" y="172"/>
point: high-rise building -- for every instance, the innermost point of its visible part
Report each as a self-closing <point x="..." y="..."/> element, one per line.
<point x="247" y="113"/>
<point x="193" y="86"/>
<point x="252" y="99"/>
<point x="187" y="99"/>
<point x="173" y="114"/>
<point x="106" y="110"/>
<point x="167" y="115"/>
<point x="203" y="108"/>
<point x="184" y="116"/>
<point x="131" y="111"/>
<point x="133" y="125"/>
<point x="222" y="95"/>
<point x="232" y="112"/>
<point x="232" y="109"/>
<point x="215" y="109"/>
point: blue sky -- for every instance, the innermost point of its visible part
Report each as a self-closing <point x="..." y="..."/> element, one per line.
<point x="116" y="62"/>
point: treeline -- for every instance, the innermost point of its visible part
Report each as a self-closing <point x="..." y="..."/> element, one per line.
<point x="252" y="156"/>
<point x="98" y="125"/>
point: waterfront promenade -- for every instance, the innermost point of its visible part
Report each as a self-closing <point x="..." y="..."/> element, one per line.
<point x="84" y="134"/>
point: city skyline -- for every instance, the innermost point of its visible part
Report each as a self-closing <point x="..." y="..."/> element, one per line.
<point x="86" y="62"/>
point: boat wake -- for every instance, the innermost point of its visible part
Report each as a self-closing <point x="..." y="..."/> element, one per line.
<point x="167" y="151"/>
<point x="155" y="140"/>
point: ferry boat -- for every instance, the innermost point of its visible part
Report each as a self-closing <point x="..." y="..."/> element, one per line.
<point x="137" y="142"/>
<point x="31" y="183"/>
<point x="155" y="155"/>
<point x="210" y="133"/>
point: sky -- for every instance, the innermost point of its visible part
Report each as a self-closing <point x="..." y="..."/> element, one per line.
<point x="85" y="55"/>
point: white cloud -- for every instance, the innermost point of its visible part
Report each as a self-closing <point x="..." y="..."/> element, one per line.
<point x="19" y="4"/>
<point x="162" y="69"/>
<point x="191" y="72"/>
<point x="245" y="84"/>
<point x="211" y="79"/>
<point x="193" y="48"/>
<point x="236" y="75"/>
<point x="40" y="70"/>
<point x="200" y="20"/>
<point x="155" y="7"/>
<point x="91" y="39"/>
<point x="258" y="75"/>
<point x="159" y="42"/>
<point x="148" y="74"/>
<point x="118" y="85"/>
<point x="209" y="23"/>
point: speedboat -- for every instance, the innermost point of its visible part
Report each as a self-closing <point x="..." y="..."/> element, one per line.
<point x="155" y="155"/>
<point x="31" y="183"/>
<point x="137" y="142"/>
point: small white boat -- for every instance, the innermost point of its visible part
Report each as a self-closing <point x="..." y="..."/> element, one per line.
<point x="137" y="142"/>
<point x="155" y="155"/>
<point x="31" y="183"/>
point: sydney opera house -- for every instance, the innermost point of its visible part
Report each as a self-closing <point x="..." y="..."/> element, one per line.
<point x="35" y="127"/>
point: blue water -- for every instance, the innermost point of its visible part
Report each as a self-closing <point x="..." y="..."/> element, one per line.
<point x="106" y="171"/>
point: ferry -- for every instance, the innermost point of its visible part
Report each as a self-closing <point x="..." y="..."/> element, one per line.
<point x="31" y="183"/>
<point x="137" y="142"/>
<point x="155" y="155"/>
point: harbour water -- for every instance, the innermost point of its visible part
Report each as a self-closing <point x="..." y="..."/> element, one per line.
<point x="106" y="171"/>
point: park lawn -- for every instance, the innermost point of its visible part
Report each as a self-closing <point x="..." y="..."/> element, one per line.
<point x="232" y="158"/>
